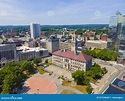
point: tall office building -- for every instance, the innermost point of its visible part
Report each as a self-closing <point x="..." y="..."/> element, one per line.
<point x="35" y="30"/>
<point x="115" y="25"/>
<point x="123" y="25"/>
<point x="121" y="39"/>
<point x="117" y="34"/>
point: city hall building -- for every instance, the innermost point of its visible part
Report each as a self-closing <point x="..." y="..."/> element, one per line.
<point x="72" y="61"/>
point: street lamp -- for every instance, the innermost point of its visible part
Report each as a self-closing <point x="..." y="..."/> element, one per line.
<point x="38" y="90"/>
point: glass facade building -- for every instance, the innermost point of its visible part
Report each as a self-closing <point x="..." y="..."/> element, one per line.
<point x="121" y="34"/>
<point x="113" y="27"/>
<point x="117" y="34"/>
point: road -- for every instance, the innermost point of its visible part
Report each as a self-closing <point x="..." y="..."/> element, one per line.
<point x="119" y="68"/>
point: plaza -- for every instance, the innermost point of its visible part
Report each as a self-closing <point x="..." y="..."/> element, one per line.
<point x="59" y="72"/>
<point x="39" y="85"/>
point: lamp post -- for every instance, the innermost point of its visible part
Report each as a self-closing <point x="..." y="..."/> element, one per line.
<point x="38" y="90"/>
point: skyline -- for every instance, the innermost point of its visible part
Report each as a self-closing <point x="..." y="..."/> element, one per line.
<point x="58" y="12"/>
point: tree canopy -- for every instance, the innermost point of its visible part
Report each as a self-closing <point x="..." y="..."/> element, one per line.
<point x="103" y="54"/>
<point x="12" y="75"/>
<point x="79" y="77"/>
<point x="92" y="75"/>
<point x="37" y="60"/>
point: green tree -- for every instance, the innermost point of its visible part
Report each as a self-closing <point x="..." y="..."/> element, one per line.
<point x="12" y="76"/>
<point x="70" y="37"/>
<point x="46" y="61"/>
<point x="26" y="66"/>
<point x="79" y="77"/>
<point x="103" y="54"/>
<point x="36" y="61"/>
<point x="89" y="89"/>
<point x="104" y="70"/>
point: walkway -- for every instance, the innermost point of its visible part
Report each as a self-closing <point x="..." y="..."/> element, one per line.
<point x="58" y="82"/>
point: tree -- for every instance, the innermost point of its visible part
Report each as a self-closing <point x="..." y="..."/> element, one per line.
<point x="46" y="61"/>
<point x="103" y="54"/>
<point x="79" y="77"/>
<point x="26" y="66"/>
<point x="89" y="89"/>
<point x="12" y="76"/>
<point x="1" y="37"/>
<point x="104" y="70"/>
<point x="11" y="82"/>
<point x="70" y="37"/>
<point x="95" y="72"/>
<point x="36" y="61"/>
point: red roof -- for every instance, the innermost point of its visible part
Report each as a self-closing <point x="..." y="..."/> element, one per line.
<point x="70" y="54"/>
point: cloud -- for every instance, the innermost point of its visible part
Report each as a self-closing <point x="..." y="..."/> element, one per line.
<point x="61" y="11"/>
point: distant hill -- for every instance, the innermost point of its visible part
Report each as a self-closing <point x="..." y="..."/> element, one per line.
<point x="86" y="26"/>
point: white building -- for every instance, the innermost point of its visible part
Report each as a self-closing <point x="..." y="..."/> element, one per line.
<point x="35" y="30"/>
<point x="96" y="44"/>
<point x="27" y="53"/>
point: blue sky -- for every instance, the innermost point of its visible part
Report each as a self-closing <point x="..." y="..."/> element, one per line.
<point x="55" y="12"/>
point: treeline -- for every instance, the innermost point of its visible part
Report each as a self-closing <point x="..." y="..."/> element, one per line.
<point x="92" y="75"/>
<point x="13" y="75"/>
<point x="97" y="32"/>
<point x="103" y="54"/>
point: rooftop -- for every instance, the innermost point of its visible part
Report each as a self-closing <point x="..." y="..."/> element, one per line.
<point x="70" y="54"/>
<point x="25" y="49"/>
<point x="6" y="44"/>
<point x="96" y="41"/>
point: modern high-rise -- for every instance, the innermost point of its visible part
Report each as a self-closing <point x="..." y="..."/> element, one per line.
<point x="115" y="25"/>
<point x="117" y="34"/>
<point x="121" y="38"/>
<point x="35" y="30"/>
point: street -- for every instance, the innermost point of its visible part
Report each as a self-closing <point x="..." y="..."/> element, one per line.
<point x="116" y="70"/>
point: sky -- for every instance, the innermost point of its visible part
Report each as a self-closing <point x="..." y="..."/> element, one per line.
<point x="58" y="12"/>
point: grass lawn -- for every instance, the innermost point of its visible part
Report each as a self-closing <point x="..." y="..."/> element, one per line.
<point x="67" y="92"/>
<point x="81" y="88"/>
<point x="66" y="83"/>
<point x="91" y="79"/>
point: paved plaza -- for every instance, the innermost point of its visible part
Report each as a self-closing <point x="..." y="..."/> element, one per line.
<point x="59" y="72"/>
<point x="39" y="85"/>
<point x="45" y="84"/>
